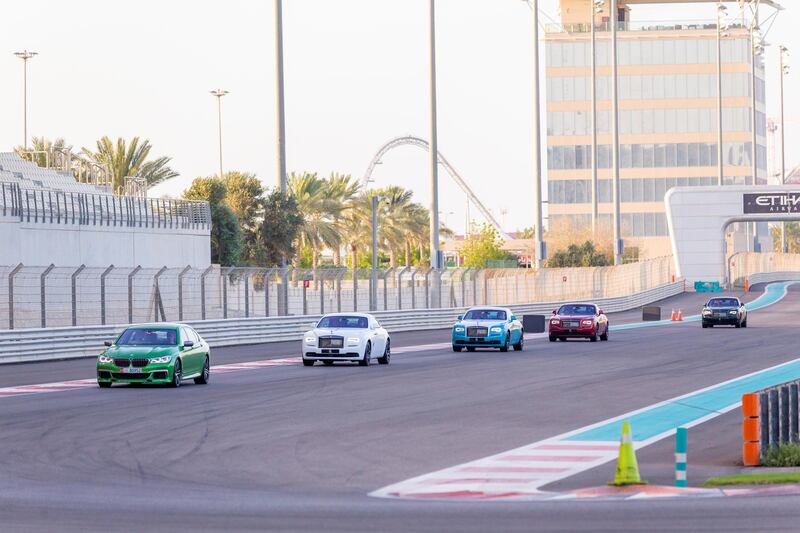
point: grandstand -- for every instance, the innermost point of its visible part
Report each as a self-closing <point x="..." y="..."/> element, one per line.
<point x="47" y="216"/>
<point x="15" y="169"/>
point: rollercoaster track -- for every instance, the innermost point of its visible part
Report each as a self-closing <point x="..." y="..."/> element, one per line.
<point x="410" y="140"/>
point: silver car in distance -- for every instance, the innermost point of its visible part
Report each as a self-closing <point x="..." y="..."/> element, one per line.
<point x="352" y="337"/>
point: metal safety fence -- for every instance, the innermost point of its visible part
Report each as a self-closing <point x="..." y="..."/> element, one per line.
<point x="771" y="419"/>
<point x="57" y="296"/>
<point x="762" y="267"/>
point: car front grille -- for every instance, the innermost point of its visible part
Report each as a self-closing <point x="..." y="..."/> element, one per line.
<point x="138" y="377"/>
<point x="139" y="362"/>
<point x="477" y="331"/>
<point x="570" y="323"/>
<point x="331" y="342"/>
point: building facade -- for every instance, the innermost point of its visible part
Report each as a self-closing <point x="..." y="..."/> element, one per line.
<point x="667" y="96"/>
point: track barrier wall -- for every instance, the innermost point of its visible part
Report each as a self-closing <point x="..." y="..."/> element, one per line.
<point x="770" y="418"/>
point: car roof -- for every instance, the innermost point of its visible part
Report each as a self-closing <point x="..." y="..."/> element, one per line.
<point x="364" y="315"/>
<point x="578" y="303"/>
<point x="162" y="325"/>
<point x="489" y="308"/>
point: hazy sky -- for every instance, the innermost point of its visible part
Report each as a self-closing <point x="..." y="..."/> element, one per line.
<point x="356" y="76"/>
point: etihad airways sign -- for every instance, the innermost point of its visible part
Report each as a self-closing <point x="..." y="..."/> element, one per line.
<point x="772" y="202"/>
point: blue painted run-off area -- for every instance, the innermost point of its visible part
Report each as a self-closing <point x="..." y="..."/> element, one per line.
<point x="662" y="418"/>
<point x="773" y="293"/>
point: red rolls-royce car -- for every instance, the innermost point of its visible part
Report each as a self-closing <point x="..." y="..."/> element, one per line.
<point x="578" y="321"/>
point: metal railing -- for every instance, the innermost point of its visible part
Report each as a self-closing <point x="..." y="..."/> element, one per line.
<point x="636" y="26"/>
<point x="52" y="295"/>
<point x="72" y="342"/>
<point x="763" y="267"/>
<point x="63" y="207"/>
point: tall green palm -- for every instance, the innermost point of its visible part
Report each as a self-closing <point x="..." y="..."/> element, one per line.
<point x="39" y="145"/>
<point x="129" y="159"/>
<point x="318" y="230"/>
<point x="341" y="190"/>
<point x="396" y="205"/>
<point x="356" y="226"/>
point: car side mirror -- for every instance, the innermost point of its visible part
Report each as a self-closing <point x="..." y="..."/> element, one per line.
<point x="601" y="312"/>
<point x="313" y="325"/>
<point x="460" y="317"/>
<point x="555" y="311"/>
<point x="513" y="317"/>
<point x="188" y="344"/>
<point x="108" y="343"/>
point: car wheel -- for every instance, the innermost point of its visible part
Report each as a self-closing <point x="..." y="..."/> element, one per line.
<point x="562" y="339"/>
<point x="309" y="362"/>
<point x="553" y="338"/>
<point x="593" y="338"/>
<point x="176" y="375"/>
<point x="367" y="355"/>
<point x="504" y="347"/>
<point x="604" y="336"/>
<point x="457" y="348"/>
<point x="521" y="344"/>
<point x="737" y="325"/>
<point x="470" y="348"/>
<point x="705" y="325"/>
<point x="387" y="354"/>
<point x="104" y="384"/>
<point x="205" y="375"/>
<point x="328" y="363"/>
<point x="744" y="323"/>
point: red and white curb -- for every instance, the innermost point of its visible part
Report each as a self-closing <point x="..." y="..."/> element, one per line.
<point x="512" y="475"/>
<point x="77" y="384"/>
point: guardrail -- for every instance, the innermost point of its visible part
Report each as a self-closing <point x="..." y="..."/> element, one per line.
<point x="86" y="341"/>
<point x="770" y="277"/>
<point x="770" y="419"/>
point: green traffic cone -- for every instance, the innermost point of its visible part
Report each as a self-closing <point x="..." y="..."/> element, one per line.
<point x="627" y="467"/>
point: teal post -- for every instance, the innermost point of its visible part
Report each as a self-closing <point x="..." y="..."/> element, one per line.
<point x="680" y="457"/>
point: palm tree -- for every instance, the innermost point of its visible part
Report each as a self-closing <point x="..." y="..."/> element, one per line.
<point x="356" y="226"/>
<point x="40" y="145"/>
<point x="129" y="159"/>
<point x="340" y="190"/>
<point x="395" y="210"/>
<point x="318" y="230"/>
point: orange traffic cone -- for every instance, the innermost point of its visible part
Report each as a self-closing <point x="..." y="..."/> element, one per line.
<point x="672" y="317"/>
<point x="746" y="284"/>
<point x="680" y="315"/>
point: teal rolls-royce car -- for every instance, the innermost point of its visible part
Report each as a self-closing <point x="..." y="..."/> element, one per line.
<point x="488" y="327"/>
<point x="155" y="353"/>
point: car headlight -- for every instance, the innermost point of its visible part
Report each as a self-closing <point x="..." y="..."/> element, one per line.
<point x="733" y="312"/>
<point x="496" y="329"/>
<point x="311" y="341"/>
<point x="555" y="322"/>
<point x="587" y="322"/>
<point x="706" y="312"/>
<point x="353" y="340"/>
<point x="162" y="359"/>
<point x="459" y="329"/>
<point x="104" y="359"/>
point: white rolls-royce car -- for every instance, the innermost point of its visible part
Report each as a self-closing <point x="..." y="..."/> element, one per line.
<point x="353" y="337"/>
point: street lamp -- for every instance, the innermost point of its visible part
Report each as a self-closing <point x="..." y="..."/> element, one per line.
<point x="784" y="62"/>
<point x="597" y="8"/>
<point x="25" y="55"/>
<point x="721" y="11"/>
<point x="283" y="294"/>
<point x="219" y="93"/>
<point x="541" y="252"/>
<point x="433" y="152"/>
<point x="615" y="185"/>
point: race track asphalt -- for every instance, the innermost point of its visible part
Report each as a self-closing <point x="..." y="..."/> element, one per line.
<point x="292" y="448"/>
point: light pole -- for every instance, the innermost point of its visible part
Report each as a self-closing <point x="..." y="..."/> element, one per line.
<point x="756" y="50"/>
<point x="538" y="231"/>
<point x="433" y="153"/>
<point x="615" y="188"/>
<point x="283" y="294"/>
<point x="25" y="55"/>
<point x="219" y="93"/>
<point x="597" y="7"/>
<point x="784" y="56"/>
<point x="721" y="10"/>
<point x="373" y="286"/>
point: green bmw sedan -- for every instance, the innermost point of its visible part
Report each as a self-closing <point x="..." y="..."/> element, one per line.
<point x="155" y="353"/>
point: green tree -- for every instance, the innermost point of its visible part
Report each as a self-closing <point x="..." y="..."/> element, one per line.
<point x="129" y="159"/>
<point x="340" y="190"/>
<point x="481" y="246"/>
<point x="584" y="255"/>
<point x="40" y="144"/>
<point x="792" y="237"/>
<point x="318" y="208"/>
<point x="280" y="226"/>
<point x="244" y="194"/>
<point x="227" y="240"/>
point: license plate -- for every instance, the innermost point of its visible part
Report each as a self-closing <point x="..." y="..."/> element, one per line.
<point x="131" y="370"/>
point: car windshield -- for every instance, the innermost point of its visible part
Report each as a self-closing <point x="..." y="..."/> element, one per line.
<point x="723" y="302"/>
<point x="485" y="314"/>
<point x="148" y="337"/>
<point x="332" y="322"/>
<point x="577" y="310"/>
